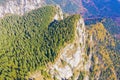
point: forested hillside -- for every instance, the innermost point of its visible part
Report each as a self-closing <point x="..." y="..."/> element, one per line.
<point x="20" y="42"/>
<point x="104" y="51"/>
<point x="28" y="42"/>
<point x="34" y="41"/>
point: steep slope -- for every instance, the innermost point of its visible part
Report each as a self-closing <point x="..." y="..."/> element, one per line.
<point x="91" y="56"/>
<point x="71" y="57"/>
<point x="42" y="45"/>
<point x="92" y="10"/>
<point x="103" y="47"/>
<point x="22" y="45"/>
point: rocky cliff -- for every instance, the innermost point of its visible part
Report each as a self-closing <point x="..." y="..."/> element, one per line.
<point x="19" y="6"/>
<point x="73" y="59"/>
<point x="90" y="56"/>
<point x="72" y="56"/>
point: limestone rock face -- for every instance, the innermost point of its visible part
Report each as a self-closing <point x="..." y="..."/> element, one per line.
<point x="59" y="13"/>
<point x="20" y="6"/>
<point x="72" y="58"/>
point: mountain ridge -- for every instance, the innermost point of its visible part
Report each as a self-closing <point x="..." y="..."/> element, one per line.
<point x="43" y="44"/>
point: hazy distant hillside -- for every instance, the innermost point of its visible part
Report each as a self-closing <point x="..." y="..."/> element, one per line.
<point x="90" y="7"/>
<point x="103" y="8"/>
<point x="109" y="24"/>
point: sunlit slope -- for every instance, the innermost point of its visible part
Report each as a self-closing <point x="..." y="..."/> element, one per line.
<point x="21" y="41"/>
<point x="28" y="42"/>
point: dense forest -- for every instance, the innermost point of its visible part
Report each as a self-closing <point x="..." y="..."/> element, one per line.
<point x="28" y="42"/>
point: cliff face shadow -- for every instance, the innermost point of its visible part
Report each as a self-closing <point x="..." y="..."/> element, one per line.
<point x="52" y="23"/>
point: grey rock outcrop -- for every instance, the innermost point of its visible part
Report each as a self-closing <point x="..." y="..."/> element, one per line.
<point x="19" y="6"/>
